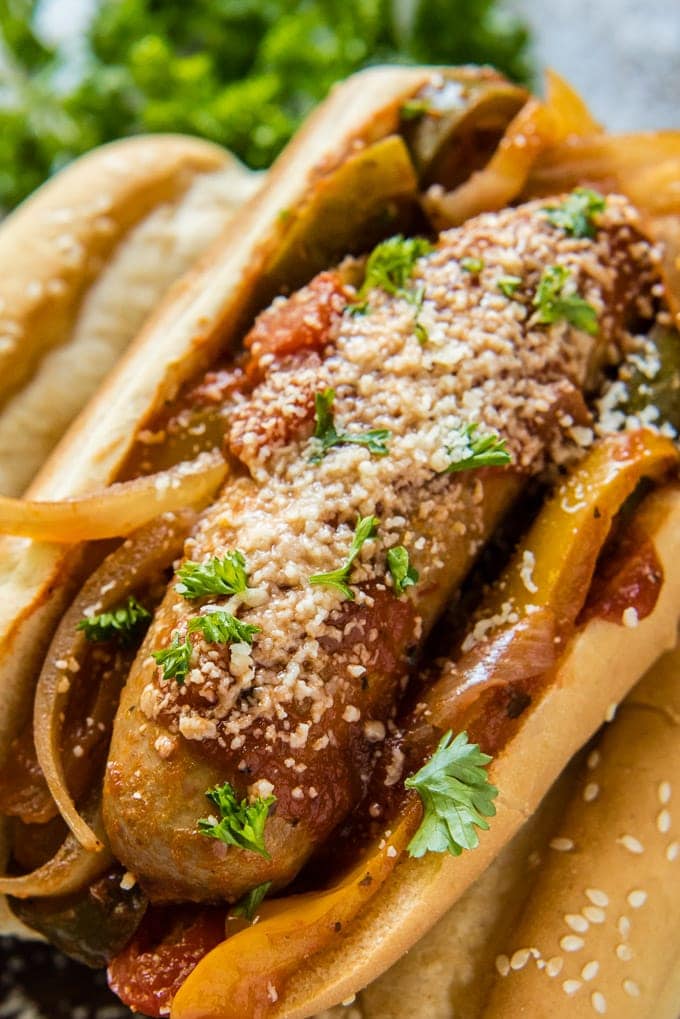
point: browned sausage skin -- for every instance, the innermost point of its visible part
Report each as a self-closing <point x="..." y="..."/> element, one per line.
<point x="301" y="712"/>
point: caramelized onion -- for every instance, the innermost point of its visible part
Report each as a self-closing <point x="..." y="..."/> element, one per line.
<point x="115" y="511"/>
<point x="71" y="868"/>
<point x="136" y="560"/>
<point x="538" y="126"/>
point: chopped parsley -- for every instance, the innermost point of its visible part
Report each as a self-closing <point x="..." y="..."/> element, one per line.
<point x="390" y="266"/>
<point x="366" y="528"/>
<point x="241" y="822"/>
<point x="413" y="109"/>
<point x="419" y="329"/>
<point x="456" y="795"/>
<point x="576" y="213"/>
<point x="474" y="449"/>
<point x="472" y="265"/>
<point x="328" y="435"/>
<point x="120" y="622"/>
<point x="248" y="905"/>
<point x="403" y="574"/>
<point x="220" y="627"/>
<point x="174" y="659"/>
<point x="508" y="285"/>
<point x="217" y="576"/>
<point x="553" y="304"/>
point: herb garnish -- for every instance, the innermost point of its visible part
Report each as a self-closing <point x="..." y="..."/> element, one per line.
<point x="248" y="905"/>
<point x="174" y="659"/>
<point x="365" y="529"/>
<point x="328" y="435"/>
<point x="241" y="823"/>
<point x="119" y="622"/>
<point x="480" y="450"/>
<point x="576" y="213"/>
<point x="456" y="795"/>
<point x="220" y="627"/>
<point x="413" y="109"/>
<point x="508" y="285"/>
<point x="554" y="305"/>
<point x="217" y="576"/>
<point x="472" y="265"/>
<point x="390" y="266"/>
<point x="403" y="574"/>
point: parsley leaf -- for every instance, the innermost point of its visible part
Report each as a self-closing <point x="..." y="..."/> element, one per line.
<point x="472" y="265"/>
<point x="554" y="305"/>
<point x="220" y="627"/>
<point x="328" y="435"/>
<point x="508" y="285"/>
<point x="248" y="905"/>
<point x="174" y="659"/>
<point x="391" y="264"/>
<point x="403" y="574"/>
<point x="413" y="109"/>
<point x="366" y="528"/>
<point x="241" y="823"/>
<point x="456" y="796"/>
<point x="119" y="622"/>
<point x="576" y="213"/>
<point x="484" y="450"/>
<point x="218" y="576"/>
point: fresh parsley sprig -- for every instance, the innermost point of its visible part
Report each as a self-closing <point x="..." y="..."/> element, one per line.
<point x="217" y="576"/>
<point x="389" y="267"/>
<point x="174" y="659"/>
<point x="554" y="304"/>
<point x="403" y="574"/>
<point x="241" y="822"/>
<point x="120" y="622"/>
<point x="220" y="627"/>
<point x="366" y="528"/>
<point x="456" y="795"/>
<point x="576" y="214"/>
<point x="472" y="265"/>
<point x="328" y="435"/>
<point x="485" y="449"/>
<point x="248" y="905"/>
<point x="509" y="285"/>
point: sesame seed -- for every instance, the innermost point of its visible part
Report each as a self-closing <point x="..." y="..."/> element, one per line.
<point x="624" y="952"/>
<point x="562" y="845"/>
<point x="630" y="617"/>
<point x="128" y="881"/>
<point x="571" y="986"/>
<point x="599" y="1002"/>
<point x="623" y="926"/>
<point x="663" y="821"/>
<point x="553" y="967"/>
<point x="611" y="712"/>
<point x="630" y="843"/>
<point x="664" y="792"/>
<point x="502" y="965"/>
<point x="594" y="914"/>
<point x="571" y="943"/>
<point x="591" y="792"/>
<point x="520" y="958"/>
<point x="576" y="922"/>
<point x="590" y="970"/>
<point x="594" y="758"/>
<point x="672" y="851"/>
<point x="631" y="988"/>
<point x="637" y="898"/>
<point x="597" y="897"/>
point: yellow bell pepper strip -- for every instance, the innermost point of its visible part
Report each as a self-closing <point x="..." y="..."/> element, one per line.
<point x="247" y="973"/>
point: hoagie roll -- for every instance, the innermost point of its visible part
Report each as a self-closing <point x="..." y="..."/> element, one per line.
<point x="394" y="494"/>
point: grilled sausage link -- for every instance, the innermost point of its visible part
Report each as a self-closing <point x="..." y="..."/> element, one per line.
<point x="302" y="713"/>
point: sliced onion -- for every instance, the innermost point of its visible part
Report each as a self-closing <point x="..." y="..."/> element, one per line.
<point x="538" y="126"/>
<point x="72" y="867"/>
<point x="140" y="557"/>
<point x="115" y="511"/>
<point x="522" y="651"/>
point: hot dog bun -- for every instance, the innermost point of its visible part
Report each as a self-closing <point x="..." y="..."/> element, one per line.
<point x="83" y="262"/>
<point x="202" y="317"/>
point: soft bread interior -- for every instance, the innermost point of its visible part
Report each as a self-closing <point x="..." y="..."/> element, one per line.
<point x="151" y="257"/>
